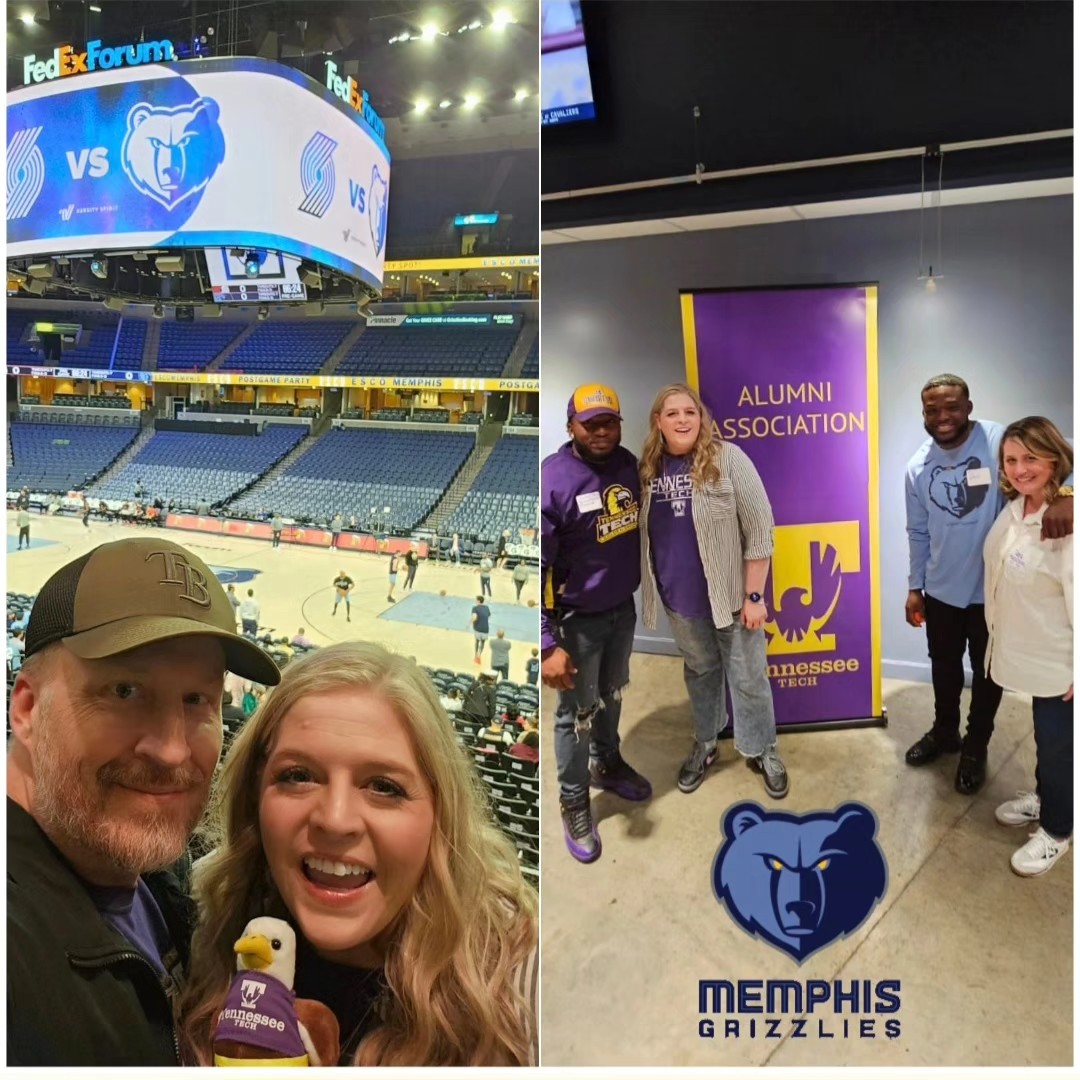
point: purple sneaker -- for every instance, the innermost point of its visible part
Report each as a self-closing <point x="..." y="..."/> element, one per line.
<point x="615" y="775"/>
<point x="582" y="839"/>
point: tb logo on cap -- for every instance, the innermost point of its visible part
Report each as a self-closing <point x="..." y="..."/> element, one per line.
<point x="178" y="571"/>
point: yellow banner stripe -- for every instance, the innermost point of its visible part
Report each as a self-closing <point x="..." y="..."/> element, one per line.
<point x="873" y="494"/>
<point x="689" y="339"/>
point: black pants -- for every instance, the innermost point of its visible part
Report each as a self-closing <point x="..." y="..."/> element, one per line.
<point x="519" y="585"/>
<point x="24" y="534"/>
<point x="1054" y="764"/>
<point x="950" y="631"/>
<point x="410" y="575"/>
<point x="277" y="539"/>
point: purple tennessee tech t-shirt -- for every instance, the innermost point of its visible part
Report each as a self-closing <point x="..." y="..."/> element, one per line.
<point x="680" y="577"/>
<point x="260" y="1011"/>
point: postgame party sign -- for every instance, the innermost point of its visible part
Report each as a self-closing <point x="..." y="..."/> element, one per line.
<point x="790" y="375"/>
<point x="235" y="152"/>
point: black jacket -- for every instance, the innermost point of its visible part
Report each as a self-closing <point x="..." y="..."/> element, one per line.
<point x="78" y="992"/>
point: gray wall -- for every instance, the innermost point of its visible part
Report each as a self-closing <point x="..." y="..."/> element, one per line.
<point x="1001" y="318"/>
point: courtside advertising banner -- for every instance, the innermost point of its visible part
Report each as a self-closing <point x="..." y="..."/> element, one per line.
<point x="790" y="376"/>
<point x="234" y="152"/>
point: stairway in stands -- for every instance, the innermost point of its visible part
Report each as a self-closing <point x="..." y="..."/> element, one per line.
<point x="451" y="500"/>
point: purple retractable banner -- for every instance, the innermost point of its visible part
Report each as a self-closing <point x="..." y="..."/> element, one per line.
<point x="791" y="376"/>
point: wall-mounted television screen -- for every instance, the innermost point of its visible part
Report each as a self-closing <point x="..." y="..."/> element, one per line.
<point x="565" y="86"/>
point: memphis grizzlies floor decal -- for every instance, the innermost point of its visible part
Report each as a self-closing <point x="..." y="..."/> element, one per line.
<point x="800" y="881"/>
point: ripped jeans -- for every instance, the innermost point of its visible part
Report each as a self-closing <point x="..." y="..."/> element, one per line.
<point x="587" y="717"/>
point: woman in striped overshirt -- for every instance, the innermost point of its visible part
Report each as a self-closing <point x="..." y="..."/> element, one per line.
<point x="706" y="539"/>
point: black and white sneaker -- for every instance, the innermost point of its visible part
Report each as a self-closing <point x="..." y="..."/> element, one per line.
<point x="695" y="766"/>
<point x="772" y="771"/>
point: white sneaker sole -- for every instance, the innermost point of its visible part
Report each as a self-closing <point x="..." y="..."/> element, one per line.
<point x="1015" y="822"/>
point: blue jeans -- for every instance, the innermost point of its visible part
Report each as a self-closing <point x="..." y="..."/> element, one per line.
<point x="1054" y="764"/>
<point x="733" y="657"/>
<point x="599" y="645"/>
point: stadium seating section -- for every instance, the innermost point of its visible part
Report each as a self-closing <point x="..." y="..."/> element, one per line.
<point x="103" y="332"/>
<point x="91" y="401"/>
<point x="531" y="368"/>
<point x="63" y="457"/>
<point x="191" y="346"/>
<point x="289" y="348"/>
<point x="503" y="496"/>
<point x="413" y="470"/>
<point x="428" y="352"/>
<point x="523" y="420"/>
<point x="192" y="466"/>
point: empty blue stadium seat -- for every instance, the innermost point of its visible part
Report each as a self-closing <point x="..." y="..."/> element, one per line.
<point x="430" y="351"/>
<point x="191" y="346"/>
<point x="503" y="495"/>
<point x="290" y="348"/>
<point x="63" y="456"/>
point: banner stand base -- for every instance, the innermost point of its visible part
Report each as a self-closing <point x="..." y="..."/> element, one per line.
<point x="823" y="725"/>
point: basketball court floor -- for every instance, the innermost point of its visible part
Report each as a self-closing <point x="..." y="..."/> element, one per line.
<point x="294" y="587"/>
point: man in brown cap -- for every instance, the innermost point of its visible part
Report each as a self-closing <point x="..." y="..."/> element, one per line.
<point x="116" y="731"/>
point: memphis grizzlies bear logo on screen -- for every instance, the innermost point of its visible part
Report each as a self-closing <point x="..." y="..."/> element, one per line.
<point x="171" y="154"/>
<point x="377" y="209"/>
<point x="800" y="881"/>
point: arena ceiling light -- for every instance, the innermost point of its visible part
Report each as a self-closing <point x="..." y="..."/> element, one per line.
<point x="429" y="32"/>
<point x="422" y="105"/>
<point x="252" y="262"/>
<point x="471" y="101"/>
<point x="521" y="94"/>
<point x="502" y="19"/>
<point x="159" y="310"/>
<point x="99" y="267"/>
<point x="40" y="270"/>
<point x="445" y="103"/>
<point x="169" y="264"/>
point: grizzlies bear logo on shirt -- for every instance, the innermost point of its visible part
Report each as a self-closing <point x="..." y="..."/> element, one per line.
<point x="171" y="154"/>
<point x="950" y="490"/>
<point x="800" y="881"/>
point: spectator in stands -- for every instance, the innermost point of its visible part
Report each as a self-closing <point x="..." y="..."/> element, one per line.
<point x="527" y="746"/>
<point x="532" y="668"/>
<point x="500" y="551"/>
<point x="455" y="549"/>
<point x="496" y="734"/>
<point x="16" y="647"/>
<point x="103" y="510"/>
<point x="203" y="508"/>
<point x="352" y="523"/>
<point x="23" y="500"/>
<point x="521" y="577"/>
<point x="484" y="570"/>
<point x="590" y="564"/>
<point x="335" y="530"/>
<point x="301" y="641"/>
<point x="480" y="621"/>
<point x="343" y="585"/>
<point x="432" y="962"/>
<point x="85" y="513"/>
<point x="276" y="525"/>
<point x="391" y="576"/>
<point x="231" y="714"/>
<point x="139" y="489"/>
<point x="23" y="520"/>
<point x="121" y="686"/>
<point x="500" y="653"/>
<point x="249" y="613"/>
<point x="479" y="705"/>
<point x="451" y="700"/>
<point x="235" y="601"/>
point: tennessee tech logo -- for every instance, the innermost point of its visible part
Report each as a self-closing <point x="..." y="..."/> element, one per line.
<point x="172" y="154"/>
<point x="250" y="992"/>
<point x="178" y="571"/>
<point x="317" y="174"/>
<point x="618" y="515"/>
<point x="950" y="491"/>
<point x="808" y="568"/>
<point x="800" y="881"/>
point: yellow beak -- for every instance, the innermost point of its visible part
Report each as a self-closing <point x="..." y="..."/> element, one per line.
<point x="255" y="951"/>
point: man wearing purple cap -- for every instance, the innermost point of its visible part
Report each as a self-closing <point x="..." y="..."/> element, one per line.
<point x="590" y="565"/>
<point x="115" y="735"/>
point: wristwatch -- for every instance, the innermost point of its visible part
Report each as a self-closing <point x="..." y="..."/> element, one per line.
<point x="755" y="598"/>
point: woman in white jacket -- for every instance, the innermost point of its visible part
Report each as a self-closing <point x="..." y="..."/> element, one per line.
<point x="1029" y="589"/>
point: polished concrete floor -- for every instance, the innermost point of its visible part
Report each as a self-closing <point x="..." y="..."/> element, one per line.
<point x="985" y="958"/>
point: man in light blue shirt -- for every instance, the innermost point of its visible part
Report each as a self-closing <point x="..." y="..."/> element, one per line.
<point x="952" y="498"/>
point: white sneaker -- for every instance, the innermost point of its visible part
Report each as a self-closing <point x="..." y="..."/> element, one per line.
<point x="1038" y="854"/>
<point x="1023" y="810"/>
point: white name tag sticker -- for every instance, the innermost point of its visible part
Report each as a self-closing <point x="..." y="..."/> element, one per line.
<point x="978" y="477"/>
<point x="589" y="501"/>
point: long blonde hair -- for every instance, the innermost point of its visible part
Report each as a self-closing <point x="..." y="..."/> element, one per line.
<point x="704" y="469"/>
<point x="1040" y="437"/>
<point x="452" y="952"/>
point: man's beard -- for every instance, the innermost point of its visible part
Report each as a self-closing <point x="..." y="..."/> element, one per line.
<point x="72" y="807"/>
<point x="586" y="454"/>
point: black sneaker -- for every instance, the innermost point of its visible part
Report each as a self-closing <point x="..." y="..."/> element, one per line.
<point x="694" y="767"/>
<point x="582" y="839"/>
<point x="615" y="775"/>
<point x="772" y="772"/>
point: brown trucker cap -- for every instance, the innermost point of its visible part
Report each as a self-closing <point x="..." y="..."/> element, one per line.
<point x="134" y="592"/>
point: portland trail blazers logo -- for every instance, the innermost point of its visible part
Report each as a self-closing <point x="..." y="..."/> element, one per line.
<point x="951" y="492"/>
